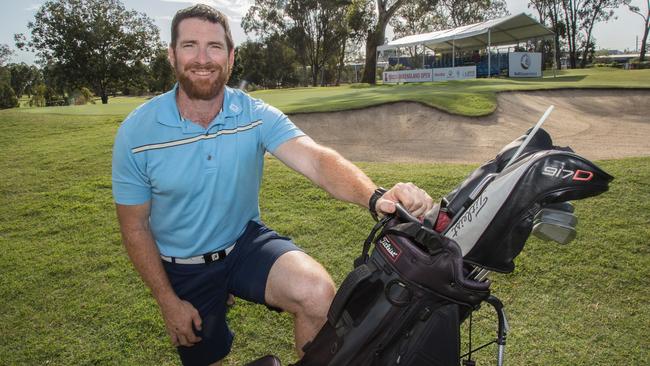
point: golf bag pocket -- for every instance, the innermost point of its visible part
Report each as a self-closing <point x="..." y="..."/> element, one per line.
<point x="390" y="308"/>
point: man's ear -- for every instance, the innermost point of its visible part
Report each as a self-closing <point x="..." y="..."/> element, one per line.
<point x="231" y="58"/>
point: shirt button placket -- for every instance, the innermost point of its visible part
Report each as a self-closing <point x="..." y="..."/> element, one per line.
<point x="209" y="153"/>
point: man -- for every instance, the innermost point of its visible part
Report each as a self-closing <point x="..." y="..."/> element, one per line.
<point x="187" y="168"/>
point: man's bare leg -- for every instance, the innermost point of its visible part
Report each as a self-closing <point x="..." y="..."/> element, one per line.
<point x="301" y="286"/>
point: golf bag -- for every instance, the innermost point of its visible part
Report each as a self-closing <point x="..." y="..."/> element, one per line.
<point x="404" y="303"/>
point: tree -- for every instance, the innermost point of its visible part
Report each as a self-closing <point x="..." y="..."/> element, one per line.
<point x="464" y="12"/>
<point x="358" y="18"/>
<point x="5" y="54"/>
<point x="7" y="96"/>
<point x="646" y="26"/>
<point x="580" y="16"/>
<point x="23" y="78"/>
<point x="161" y="73"/>
<point x="415" y="18"/>
<point x="313" y="27"/>
<point x="91" y="42"/>
<point x="376" y="35"/>
<point x="595" y="11"/>
<point x="550" y="12"/>
<point x="269" y="64"/>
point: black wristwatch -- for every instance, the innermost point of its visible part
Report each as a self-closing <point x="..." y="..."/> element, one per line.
<point x="372" y="203"/>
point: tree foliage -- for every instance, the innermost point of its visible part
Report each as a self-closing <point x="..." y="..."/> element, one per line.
<point x="376" y="35"/>
<point x="269" y="64"/>
<point x="24" y="78"/>
<point x="646" y="25"/>
<point x="5" y="54"/>
<point x="580" y="16"/>
<point x="313" y="28"/>
<point x="161" y="73"/>
<point x="8" y="98"/>
<point x="464" y="12"/>
<point x="91" y="42"/>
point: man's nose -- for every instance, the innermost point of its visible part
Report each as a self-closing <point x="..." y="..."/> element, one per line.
<point x="203" y="56"/>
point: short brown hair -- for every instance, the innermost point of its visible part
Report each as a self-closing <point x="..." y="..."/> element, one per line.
<point x="203" y="12"/>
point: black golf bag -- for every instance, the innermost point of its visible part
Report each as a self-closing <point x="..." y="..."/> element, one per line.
<point x="403" y="304"/>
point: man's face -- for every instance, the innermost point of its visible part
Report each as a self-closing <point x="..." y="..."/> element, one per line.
<point x="201" y="58"/>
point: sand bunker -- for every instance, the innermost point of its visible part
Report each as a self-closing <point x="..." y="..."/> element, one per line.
<point x="598" y="124"/>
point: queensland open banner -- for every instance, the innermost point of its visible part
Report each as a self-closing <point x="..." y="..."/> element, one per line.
<point x="408" y="76"/>
<point x="525" y="65"/>
<point x="421" y="75"/>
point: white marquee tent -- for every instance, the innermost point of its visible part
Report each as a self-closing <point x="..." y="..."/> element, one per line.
<point x="508" y="30"/>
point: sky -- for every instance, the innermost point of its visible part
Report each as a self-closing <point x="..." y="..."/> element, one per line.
<point x="618" y="34"/>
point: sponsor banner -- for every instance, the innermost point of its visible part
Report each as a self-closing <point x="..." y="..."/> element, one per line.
<point x="525" y="65"/>
<point x="408" y="76"/>
<point x="454" y="73"/>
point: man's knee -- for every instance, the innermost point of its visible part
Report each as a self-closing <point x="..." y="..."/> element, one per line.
<point x="299" y="284"/>
<point x="316" y="294"/>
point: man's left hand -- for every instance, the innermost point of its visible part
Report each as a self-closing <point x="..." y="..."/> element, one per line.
<point x="415" y="200"/>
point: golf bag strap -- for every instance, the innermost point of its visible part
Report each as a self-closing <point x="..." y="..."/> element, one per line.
<point x="348" y="287"/>
<point x="363" y="258"/>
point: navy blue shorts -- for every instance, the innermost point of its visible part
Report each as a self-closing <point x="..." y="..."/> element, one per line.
<point x="242" y="273"/>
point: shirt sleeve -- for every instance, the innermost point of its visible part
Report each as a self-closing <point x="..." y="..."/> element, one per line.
<point x="277" y="128"/>
<point x="131" y="186"/>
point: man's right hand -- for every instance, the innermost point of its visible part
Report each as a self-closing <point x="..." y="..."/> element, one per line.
<point x="179" y="317"/>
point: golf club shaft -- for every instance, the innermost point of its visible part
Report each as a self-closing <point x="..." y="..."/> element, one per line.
<point x="530" y="135"/>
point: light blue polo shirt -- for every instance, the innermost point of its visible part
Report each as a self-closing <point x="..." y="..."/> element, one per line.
<point x="203" y="183"/>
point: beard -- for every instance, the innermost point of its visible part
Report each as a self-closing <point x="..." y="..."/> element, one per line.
<point x="203" y="88"/>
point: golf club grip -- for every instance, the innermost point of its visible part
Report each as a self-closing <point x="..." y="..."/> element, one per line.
<point x="402" y="213"/>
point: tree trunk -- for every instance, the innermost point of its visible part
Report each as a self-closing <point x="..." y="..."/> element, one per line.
<point x="645" y="40"/>
<point x="104" y="98"/>
<point x="314" y="75"/>
<point x="558" y="52"/>
<point x="570" y="17"/>
<point x="341" y="64"/>
<point x="374" y="39"/>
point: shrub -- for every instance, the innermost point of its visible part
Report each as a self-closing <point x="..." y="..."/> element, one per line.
<point x="44" y="96"/>
<point x="81" y="96"/>
<point x="8" y="97"/>
<point x="636" y="64"/>
<point x="396" y="67"/>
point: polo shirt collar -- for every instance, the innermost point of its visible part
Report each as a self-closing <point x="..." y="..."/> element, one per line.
<point x="169" y="115"/>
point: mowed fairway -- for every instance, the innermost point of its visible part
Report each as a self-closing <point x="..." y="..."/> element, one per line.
<point x="69" y="295"/>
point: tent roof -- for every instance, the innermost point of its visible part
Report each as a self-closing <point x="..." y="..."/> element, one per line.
<point x="507" y="30"/>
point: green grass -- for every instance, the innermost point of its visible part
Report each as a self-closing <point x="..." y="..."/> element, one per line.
<point x="69" y="295"/>
<point x="476" y="97"/>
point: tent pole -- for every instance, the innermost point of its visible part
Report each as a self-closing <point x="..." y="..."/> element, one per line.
<point x="423" y="51"/>
<point x="453" y="53"/>
<point x="489" y="55"/>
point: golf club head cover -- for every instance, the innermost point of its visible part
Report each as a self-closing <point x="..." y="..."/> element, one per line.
<point x="459" y="197"/>
<point x="494" y="228"/>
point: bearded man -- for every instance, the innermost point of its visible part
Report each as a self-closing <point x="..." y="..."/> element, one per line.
<point x="187" y="167"/>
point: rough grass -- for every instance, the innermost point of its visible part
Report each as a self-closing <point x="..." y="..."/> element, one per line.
<point x="69" y="296"/>
<point x="476" y="97"/>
